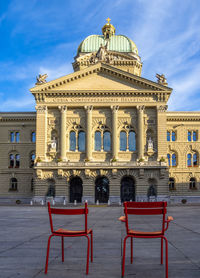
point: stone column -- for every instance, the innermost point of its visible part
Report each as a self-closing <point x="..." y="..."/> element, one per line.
<point x="41" y="132"/>
<point x="63" y="110"/>
<point x="140" y="141"/>
<point x="114" y="131"/>
<point x="89" y="132"/>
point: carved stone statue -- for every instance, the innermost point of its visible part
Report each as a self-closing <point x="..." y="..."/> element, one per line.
<point x="102" y="52"/>
<point x="53" y="144"/>
<point x="161" y="79"/>
<point x="150" y="143"/>
<point x="41" y="79"/>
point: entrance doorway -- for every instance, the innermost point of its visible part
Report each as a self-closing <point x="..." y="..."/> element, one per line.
<point x="51" y="188"/>
<point x="76" y="190"/>
<point x="102" y="189"/>
<point x="127" y="189"/>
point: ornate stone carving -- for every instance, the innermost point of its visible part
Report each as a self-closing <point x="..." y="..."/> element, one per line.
<point x="161" y="79"/>
<point x="162" y="108"/>
<point x="62" y="108"/>
<point x="103" y="172"/>
<point x="140" y="108"/>
<point x="41" y="109"/>
<point x="41" y="79"/>
<point x="76" y="172"/>
<point x="90" y="173"/>
<point x="115" y="108"/>
<point x="88" y="108"/>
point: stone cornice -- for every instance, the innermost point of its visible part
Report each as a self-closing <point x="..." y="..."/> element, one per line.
<point x="17" y="116"/>
<point x="183" y="116"/>
<point x="104" y="68"/>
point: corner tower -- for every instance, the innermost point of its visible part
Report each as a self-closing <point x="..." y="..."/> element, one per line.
<point x="116" y="50"/>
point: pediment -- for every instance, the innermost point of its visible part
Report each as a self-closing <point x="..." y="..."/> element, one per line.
<point x="100" y="77"/>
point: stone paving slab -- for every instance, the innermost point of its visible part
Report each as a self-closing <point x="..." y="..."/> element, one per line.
<point x="24" y="232"/>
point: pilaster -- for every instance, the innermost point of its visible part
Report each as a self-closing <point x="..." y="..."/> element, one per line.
<point x="89" y="132"/>
<point x="114" y="131"/>
<point x="41" y="132"/>
<point x="161" y="131"/>
<point x="63" y="110"/>
<point x="140" y="141"/>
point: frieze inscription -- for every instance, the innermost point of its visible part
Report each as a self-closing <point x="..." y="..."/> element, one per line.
<point x="104" y="99"/>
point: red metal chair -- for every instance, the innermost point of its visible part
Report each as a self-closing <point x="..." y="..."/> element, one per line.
<point x="67" y="233"/>
<point x="146" y="208"/>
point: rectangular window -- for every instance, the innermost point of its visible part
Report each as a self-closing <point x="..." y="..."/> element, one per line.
<point x="194" y="136"/>
<point x="17" y="137"/>
<point x="189" y="136"/>
<point x="33" y="137"/>
<point x="173" y="136"/>
<point x="12" y="137"/>
<point x="168" y="136"/>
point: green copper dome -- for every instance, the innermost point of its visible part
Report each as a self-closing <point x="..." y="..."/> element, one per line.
<point x="114" y="42"/>
<point x="118" y="43"/>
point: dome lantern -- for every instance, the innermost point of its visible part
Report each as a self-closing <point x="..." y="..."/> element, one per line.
<point x="108" y="29"/>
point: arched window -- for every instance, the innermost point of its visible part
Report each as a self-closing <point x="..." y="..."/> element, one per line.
<point x="72" y="141"/>
<point x="13" y="184"/>
<point x="192" y="159"/>
<point x="195" y="159"/>
<point x="97" y="141"/>
<point x="123" y="141"/>
<point x="106" y="141"/>
<point x="173" y="159"/>
<point x="32" y="185"/>
<point x="33" y="137"/>
<point x="192" y="183"/>
<point x="12" y="161"/>
<point x="17" y="161"/>
<point x="171" y="184"/>
<point x="131" y="141"/>
<point x="81" y="141"/>
<point x="189" y="160"/>
<point x="32" y="159"/>
<point x="168" y="158"/>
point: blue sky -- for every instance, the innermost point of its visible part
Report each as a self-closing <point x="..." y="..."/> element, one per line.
<point x="43" y="37"/>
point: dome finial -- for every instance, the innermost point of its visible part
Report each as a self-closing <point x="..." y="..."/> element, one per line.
<point x="108" y="19"/>
<point x="108" y="29"/>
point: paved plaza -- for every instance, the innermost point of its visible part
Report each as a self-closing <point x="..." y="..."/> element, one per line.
<point x="24" y="232"/>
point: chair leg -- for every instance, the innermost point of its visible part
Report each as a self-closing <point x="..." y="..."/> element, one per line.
<point x="88" y="255"/>
<point x="161" y="251"/>
<point x="91" y="236"/>
<point x="124" y="253"/>
<point x="62" y="249"/>
<point x="47" y="256"/>
<point x="166" y="257"/>
<point x="131" y="250"/>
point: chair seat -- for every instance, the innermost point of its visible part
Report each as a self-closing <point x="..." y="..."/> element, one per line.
<point x="140" y="233"/>
<point x="68" y="232"/>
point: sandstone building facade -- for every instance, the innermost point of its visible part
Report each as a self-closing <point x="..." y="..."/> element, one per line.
<point x="102" y="133"/>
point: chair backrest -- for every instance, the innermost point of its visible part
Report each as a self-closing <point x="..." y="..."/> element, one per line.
<point x="59" y="211"/>
<point x="145" y="208"/>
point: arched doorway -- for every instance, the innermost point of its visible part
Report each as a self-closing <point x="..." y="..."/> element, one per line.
<point x="127" y="189"/>
<point x="102" y="189"/>
<point x="152" y="190"/>
<point x="51" y="188"/>
<point x="76" y="190"/>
